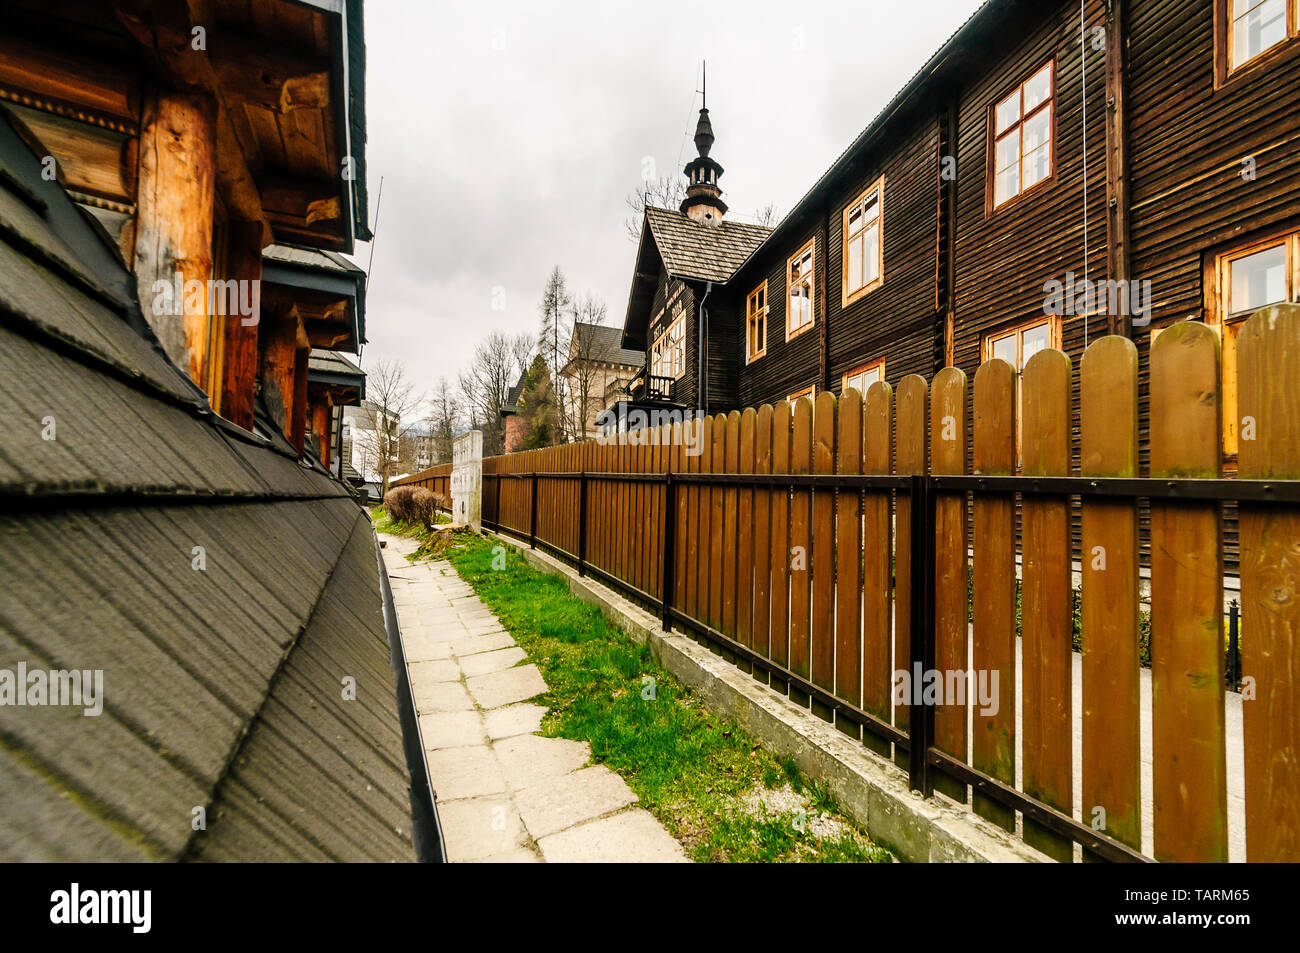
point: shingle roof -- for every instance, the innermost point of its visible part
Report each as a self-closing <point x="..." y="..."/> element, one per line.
<point x="599" y="342"/>
<point x="691" y="249"/>
<point x="319" y="258"/>
<point x="222" y="681"/>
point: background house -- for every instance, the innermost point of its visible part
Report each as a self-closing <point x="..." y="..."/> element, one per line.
<point x="596" y="375"/>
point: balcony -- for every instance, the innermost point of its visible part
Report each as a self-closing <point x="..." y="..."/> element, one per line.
<point x="647" y="388"/>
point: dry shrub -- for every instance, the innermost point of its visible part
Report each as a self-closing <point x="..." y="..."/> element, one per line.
<point x="399" y="504"/>
<point x="424" y="507"/>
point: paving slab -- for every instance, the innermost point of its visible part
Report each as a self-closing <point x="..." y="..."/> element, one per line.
<point x="527" y="760"/>
<point x="563" y="802"/>
<point x="435" y="670"/>
<point x="464" y="772"/>
<point x="631" y="836"/>
<point x="472" y="644"/>
<point x="505" y="688"/>
<point x="441" y="696"/>
<point x="522" y="719"/>
<point x="484" y="663"/>
<point x="479" y="827"/>
<point x="452" y="729"/>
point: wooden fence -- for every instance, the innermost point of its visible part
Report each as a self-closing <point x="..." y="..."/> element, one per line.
<point x="824" y="547"/>
<point x="437" y="479"/>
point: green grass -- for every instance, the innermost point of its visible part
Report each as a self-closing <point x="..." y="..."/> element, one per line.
<point x="689" y="768"/>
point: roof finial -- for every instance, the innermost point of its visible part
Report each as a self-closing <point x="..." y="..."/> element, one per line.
<point x="704" y="92"/>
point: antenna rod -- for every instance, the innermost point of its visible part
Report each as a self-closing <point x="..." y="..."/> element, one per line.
<point x="704" y="92"/>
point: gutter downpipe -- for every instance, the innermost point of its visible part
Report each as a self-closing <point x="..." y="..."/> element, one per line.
<point x="708" y="287"/>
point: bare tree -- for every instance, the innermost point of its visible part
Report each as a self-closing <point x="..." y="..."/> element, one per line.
<point x="553" y="334"/>
<point x="499" y="361"/>
<point x="383" y="431"/>
<point x="445" y="414"/>
<point x="583" y="372"/>
<point x="665" y="192"/>
<point x="767" y="215"/>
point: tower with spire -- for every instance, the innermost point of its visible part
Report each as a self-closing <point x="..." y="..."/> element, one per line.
<point x="703" y="202"/>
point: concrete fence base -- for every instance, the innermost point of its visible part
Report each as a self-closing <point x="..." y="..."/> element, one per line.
<point x="867" y="787"/>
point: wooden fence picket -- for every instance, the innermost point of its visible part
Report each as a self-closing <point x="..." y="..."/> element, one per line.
<point x="1046" y="600"/>
<point x="951" y="608"/>
<point x="1111" y="725"/>
<point x="731" y="532"/>
<point x="782" y="419"/>
<point x="717" y="527"/>
<point x="877" y="549"/>
<point x="911" y="416"/>
<point x="993" y="648"/>
<point x="848" y="560"/>
<point x="821" y="553"/>
<point x="763" y="537"/>
<point x="1268" y="356"/>
<point x="1189" y="748"/>
<point x="800" y="555"/>
<point x="745" y="537"/>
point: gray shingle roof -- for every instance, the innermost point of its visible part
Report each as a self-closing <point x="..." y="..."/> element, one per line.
<point x="703" y="252"/>
<point x="599" y="342"/>
<point x="221" y="684"/>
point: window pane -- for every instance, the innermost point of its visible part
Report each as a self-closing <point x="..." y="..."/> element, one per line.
<point x="855" y="219"/>
<point x="871" y="255"/>
<point x="1005" y="349"/>
<point x="1258" y="280"/>
<point x="1036" y="339"/>
<point x="869" y="377"/>
<point x="1008" y="151"/>
<point x="855" y="264"/>
<point x="1037" y="130"/>
<point x="1038" y="166"/>
<point x="1260" y="28"/>
<point x="1038" y="88"/>
<point x="1007" y="112"/>
<point x="872" y="211"/>
<point x="1006" y="185"/>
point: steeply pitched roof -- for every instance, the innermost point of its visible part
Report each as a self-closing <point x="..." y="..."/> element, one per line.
<point x="599" y="342"/>
<point x="691" y="249"/>
<point x="222" y="587"/>
<point x="686" y="249"/>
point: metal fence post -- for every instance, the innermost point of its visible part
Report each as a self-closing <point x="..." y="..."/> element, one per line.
<point x="921" y="723"/>
<point x="582" y="523"/>
<point x="532" y="515"/>
<point x="669" y="546"/>
<point x="1234" y="649"/>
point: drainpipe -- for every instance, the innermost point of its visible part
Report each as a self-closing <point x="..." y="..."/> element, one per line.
<point x="708" y="287"/>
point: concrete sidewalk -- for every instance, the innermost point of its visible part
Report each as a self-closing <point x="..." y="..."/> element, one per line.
<point x="504" y="794"/>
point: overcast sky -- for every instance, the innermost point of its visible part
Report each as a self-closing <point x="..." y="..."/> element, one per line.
<point x="509" y="136"/>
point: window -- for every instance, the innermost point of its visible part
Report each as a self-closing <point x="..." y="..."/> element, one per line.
<point x="1016" y="346"/>
<point x="810" y="392"/>
<point x="1247" y="279"/>
<point x="799" y="293"/>
<point x="1022" y="147"/>
<point x="863" y="377"/>
<point x="756" y="323"/>
<point x="863" y="264"/>
<point x="668" y="353"/>
<point x="1251" y="28"/>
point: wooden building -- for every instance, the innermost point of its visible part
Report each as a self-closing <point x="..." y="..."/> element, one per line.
<point x="163" y="534"/>
<point x="938" y="236"/>
<point x="199" y="134"/>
